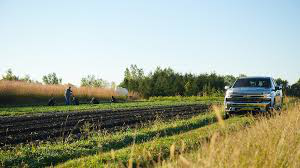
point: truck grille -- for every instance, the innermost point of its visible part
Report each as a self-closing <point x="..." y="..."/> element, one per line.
<point x="249" y="99"/>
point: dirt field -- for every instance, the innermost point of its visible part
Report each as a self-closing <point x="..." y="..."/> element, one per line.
<point x="21" y="129"/>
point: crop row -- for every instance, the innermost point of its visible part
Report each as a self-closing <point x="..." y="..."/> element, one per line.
<point x="27" y="128"/>
<point x="38" y="110"/>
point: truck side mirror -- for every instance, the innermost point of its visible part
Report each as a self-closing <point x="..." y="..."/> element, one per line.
<point x="227" y="87"/>
<point x="278" y="87"/>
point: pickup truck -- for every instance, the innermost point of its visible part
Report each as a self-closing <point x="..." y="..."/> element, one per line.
<point x="260" y="94"/>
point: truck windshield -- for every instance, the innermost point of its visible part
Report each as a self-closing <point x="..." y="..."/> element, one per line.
<point x="253" y="82"/>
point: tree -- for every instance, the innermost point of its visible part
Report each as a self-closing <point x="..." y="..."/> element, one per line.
<point x="27" y="79"/>
<point x="188" y="88"/>
<point x="294" y="90"/>
<point x="10" y="76"/>
<point x="162" y="82"/>
<point x="133" y="79"/>
<point x="51" y="79"/>
<point x="229" y="80"/>
<point x="91" y="81"/>
<point x="284" y="83"/>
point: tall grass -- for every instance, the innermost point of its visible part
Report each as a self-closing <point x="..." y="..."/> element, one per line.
<point x="16" y="92"/>
<point x="270" y="142"/>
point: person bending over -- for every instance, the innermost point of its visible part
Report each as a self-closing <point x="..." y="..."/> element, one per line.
<point x="75" y="101"/>
<point x="51" y="102"/>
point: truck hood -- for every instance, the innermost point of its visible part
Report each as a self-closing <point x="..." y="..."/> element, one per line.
<point x="249" y="91"/>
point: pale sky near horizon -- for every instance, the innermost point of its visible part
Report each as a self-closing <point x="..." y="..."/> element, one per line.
<point x="78" y="38"/>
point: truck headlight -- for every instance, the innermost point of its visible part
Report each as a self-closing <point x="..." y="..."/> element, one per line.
<point x="267" y="95"/>
<point x="228" y="94"/>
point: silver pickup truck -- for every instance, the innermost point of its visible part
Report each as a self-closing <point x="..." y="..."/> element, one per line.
<point x="253" y="94"/>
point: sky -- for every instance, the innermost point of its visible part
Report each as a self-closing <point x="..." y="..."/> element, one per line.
<point x="79" y="38"/>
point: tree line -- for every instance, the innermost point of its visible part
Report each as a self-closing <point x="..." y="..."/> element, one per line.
<point x="167" y="82"/>
<point x="53" y="79"/>
<point x="161" y="82"/>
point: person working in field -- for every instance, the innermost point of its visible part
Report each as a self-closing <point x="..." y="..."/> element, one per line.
<point x="75" y="101"/>
<point x="113" y="99"/>
<point x="51" y="102"/>
<point x="68" y="94"/>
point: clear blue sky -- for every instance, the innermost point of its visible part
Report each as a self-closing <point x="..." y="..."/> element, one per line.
<point x="78" y="38"/>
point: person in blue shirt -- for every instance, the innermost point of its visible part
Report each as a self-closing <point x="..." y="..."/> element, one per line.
<point x="68" y="94"/>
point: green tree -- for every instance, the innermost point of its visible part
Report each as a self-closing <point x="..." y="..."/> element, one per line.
<point x="51" y="79"/>
<point x="133" y="79"/>
<point x="28" y="79"/>
<point x="162" y="82"/>
<point x="188" y="88"/>
<point x="283" y="83"/>
<point x="294" y="90"/>
<point x="229" y="80"/>
<point x="91" y="81"/>
<point x="10" y="76"/>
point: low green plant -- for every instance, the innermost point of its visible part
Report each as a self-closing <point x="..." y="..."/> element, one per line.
<point x="187" y="98"/>
<point x="31" y="110"/>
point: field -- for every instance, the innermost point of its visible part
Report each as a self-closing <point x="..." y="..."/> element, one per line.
<point x="270" y="142"/>
<point x="49" y="153"/>
<point x="141" y="134"/>
<point x="32" y="110"/>
<point x="22" y="93"/>
<point x="22" y="129"/>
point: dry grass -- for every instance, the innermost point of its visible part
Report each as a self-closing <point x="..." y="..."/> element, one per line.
<point x="11" y="91"/>
<point x="134" y="96"/>
<point x="218" y="110"/>
<point x="270" y="142"/>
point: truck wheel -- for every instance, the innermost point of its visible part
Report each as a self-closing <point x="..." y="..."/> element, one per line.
<point x="279" y="108"/>
<point x="270" y="112"/>
<point x="226" y="115"/>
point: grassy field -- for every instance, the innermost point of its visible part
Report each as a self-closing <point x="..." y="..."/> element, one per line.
<point x="157" y="135"/>
<point x="205" y="140"/>
<point x="270" y="142"/>
<point x="30" y="110"/>
<point x="177" y="147"/>
<point x="149" y="153"/>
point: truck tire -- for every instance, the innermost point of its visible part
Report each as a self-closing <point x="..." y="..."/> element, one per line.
<point x="226" y="115"/>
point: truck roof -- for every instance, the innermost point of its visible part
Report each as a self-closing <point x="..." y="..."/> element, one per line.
<point x="258" y="77"/>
